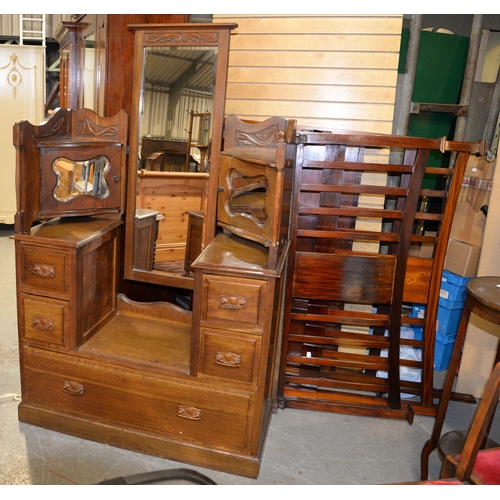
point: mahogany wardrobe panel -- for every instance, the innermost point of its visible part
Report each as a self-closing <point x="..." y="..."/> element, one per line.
<point x="361" y="219"/>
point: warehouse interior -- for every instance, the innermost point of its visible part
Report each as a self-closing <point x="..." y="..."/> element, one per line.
<point x="316" y="441"/>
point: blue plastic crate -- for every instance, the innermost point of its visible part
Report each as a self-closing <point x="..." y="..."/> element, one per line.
<point x="448" y="316"/>
<point x="418" y="332"/>
<point x="443" y="349"/>
<point x="418" y="311"/>
<point x="453" y="287"/>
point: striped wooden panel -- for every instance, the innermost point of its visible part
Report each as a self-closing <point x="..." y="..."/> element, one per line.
<point x="330" y="72"/>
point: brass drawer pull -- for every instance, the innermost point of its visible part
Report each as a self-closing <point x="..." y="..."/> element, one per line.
<point x="44" y="270"/>
<point x="233" y="302"/>
<point x="73" y="388"/>
<point x="228" y="359"/>
<point x="43" y="324"/>
<point x="189" y="412"/>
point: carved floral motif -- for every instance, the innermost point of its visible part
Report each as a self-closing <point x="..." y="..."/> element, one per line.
<point x="264" y="138"/>
<point x="182" y="38"/>
<point x="59" y="127"/>
<point x="88" y="128"/>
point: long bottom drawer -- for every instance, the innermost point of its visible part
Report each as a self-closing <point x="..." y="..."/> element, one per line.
<point x="117" y="396"/>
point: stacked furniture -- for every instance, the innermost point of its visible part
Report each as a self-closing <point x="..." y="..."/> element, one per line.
<point x="367" y="241"/>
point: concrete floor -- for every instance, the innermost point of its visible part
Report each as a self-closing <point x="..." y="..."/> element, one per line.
<point x="302" y="448"/>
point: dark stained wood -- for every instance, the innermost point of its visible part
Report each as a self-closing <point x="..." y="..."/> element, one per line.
<point x="77" y="135"/>
<point x="337" y="263"/>
<point x="192" y="386"/>
<point x="361" y="278"/>
<point x="255" y="203"/>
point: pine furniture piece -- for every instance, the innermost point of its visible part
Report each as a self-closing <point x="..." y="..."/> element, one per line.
<point x="482" y="299"/>
<point x="194" y="386"/>
<point x="359" y="218"/>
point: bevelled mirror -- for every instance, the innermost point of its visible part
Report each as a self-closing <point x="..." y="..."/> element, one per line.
<point x="179" y="88"/>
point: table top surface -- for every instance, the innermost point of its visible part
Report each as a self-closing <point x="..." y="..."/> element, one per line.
<point x="486" y="290"/>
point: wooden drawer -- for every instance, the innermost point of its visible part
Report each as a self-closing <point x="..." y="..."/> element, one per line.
<point x="230" y="355"/>
<point x="44" y="320"/>
<point x="153" y="404"/>
<point x="44" y="270"/>
<point x="233" y="300"/>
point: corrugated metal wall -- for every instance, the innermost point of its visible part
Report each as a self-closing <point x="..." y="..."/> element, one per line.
<point x="155" y="109"/>
<point x="327" y="71"/>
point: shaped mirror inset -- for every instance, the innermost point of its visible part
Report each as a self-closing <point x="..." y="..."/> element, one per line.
<point x="248" y="195"/>
<point x="81" y="178"/>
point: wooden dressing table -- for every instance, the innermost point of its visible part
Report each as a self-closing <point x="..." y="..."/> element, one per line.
<point x="197" y="387"/>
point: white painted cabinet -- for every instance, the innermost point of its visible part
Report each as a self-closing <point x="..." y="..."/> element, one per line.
<point x="22" y="97"/>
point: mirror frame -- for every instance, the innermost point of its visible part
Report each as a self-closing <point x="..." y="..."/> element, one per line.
<point x="175" y="35"/>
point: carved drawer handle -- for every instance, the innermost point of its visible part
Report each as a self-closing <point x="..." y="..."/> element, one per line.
<point x="233" y="302"/>
<point x="43" y="324"/>
<point x="44" y="270"/>
<point x="73" y="388"/>
<point x="189" y="412"/>
<point x="228" y="359"/>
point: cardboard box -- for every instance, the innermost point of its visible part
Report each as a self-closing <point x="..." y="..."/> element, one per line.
<point x="469" y="221"/>
<point x="462" y="258"/>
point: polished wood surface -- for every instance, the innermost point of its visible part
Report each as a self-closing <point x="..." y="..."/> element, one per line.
<point x="255" y="181"/>
<point x="150" y="376"/>
<point x="358" y="215"/>
<point x="77" y="135"/>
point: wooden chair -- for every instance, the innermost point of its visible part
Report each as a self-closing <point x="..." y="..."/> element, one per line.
<point x="475" y="465"/>
<point x="482" y="299"/>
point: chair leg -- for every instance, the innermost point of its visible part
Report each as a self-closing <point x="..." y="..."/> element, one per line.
<point x="432" y="443"/>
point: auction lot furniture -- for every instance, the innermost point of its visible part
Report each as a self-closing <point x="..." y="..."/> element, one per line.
<point x="483" y="299"/>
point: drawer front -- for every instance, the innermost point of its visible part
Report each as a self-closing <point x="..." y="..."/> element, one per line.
<point x="151" y="404"/>
<point x="230" y="356"/>
<point x="43" y="270"/>
<point x="234" y="300"/>
<point x="44" y="320"/>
